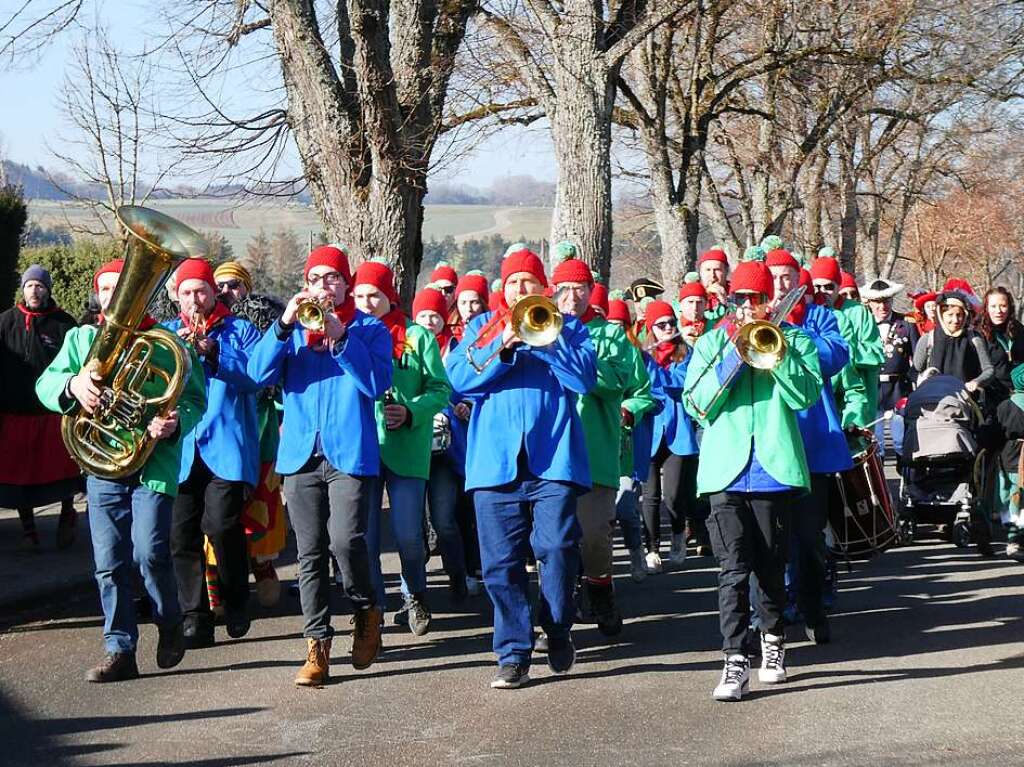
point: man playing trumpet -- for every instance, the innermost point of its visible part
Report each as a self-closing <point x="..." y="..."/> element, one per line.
<point x="527" y="462"/>
<point x="751" y="479"/>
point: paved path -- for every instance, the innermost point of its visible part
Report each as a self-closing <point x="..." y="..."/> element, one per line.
<point x="928" y="668"/>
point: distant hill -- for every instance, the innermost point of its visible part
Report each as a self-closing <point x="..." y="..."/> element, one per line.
<point x="35" y="182"/>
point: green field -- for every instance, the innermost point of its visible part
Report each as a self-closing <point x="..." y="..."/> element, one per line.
<point x="238" y="222"/>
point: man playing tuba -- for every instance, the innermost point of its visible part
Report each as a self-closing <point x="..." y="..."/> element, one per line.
<point x="130" y="517"/>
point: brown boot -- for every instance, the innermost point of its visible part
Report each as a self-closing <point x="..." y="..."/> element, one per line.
<point x="315" y="672"/>
<point x="366" y="640"/>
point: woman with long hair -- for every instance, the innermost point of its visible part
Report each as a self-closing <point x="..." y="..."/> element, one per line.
<point x="1004" y="340"/>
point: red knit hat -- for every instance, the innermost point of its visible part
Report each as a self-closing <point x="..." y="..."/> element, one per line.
<point x="195" y="269"/>
<point x="111" y="267"/>
<point x="329" y="255"/>
<point x="806" y="281"/>
<point x="752" y="277"/>
<point x="924" y="298"/>
<point x="524" y="261"/>
<point x="444" y="271"/>
<point x="780" y="257"/>
<point x="715" y="254"/>
<point x="826" y="268"/>
<point x="599" y="298"/>
<point x="618" y="310"/>
<point x="380" y="276"/>
<point x="474" y="281"/>
<point x="657" y="310"/>
<point x="692" y="286"/>
<point x="848" y="282"/>
<point x="571" y="270"/>
<point x="429" y="300"/>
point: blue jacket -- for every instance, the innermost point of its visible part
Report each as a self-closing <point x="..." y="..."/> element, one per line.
<point x="821" y="424"/>
<point x="328" y="395"/>
<point x="228" y="436"/>
<point x="526" y="401"/>
<point x="643" y="430"/>
<point x="673" y="423"/>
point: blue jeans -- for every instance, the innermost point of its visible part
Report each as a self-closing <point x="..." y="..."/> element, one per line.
<point x="443" y="489"/>
<point x="131" y="523"/>
<point x="627" y="513"/>
<point x="895" y="428"/>
<point x="406" y="496"/>
<point x="505" y="516"/>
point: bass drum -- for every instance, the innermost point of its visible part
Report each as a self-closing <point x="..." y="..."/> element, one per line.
<point x="860" y="513"/>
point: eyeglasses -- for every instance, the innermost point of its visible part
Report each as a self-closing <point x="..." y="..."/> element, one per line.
<point x="229" y="285"/>
<point x="665" y="324"/>
<point x="330" y="278"/>
<point x="446" y="289"/>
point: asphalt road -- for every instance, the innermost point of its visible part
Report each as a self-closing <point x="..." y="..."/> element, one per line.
<point x="927" y="668"/>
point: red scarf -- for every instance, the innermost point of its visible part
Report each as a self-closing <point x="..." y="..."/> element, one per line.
<point x="31" y="315"/>
<point x="664" y="352"/>
<point x="444" y="340"/>
<point x="345" y="313"/>
<point x="220" y="311"/>
<point x="395" y="321"/>
<point x="798" y="314"/>
<point x="589" y="315"/>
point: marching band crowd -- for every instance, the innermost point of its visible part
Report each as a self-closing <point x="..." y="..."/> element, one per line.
<point x="518" y="438"/>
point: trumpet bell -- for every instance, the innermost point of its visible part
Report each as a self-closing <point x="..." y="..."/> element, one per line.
<point x="761" y="344"/>
<point x="310" y="315"/>
<point x="536" y="320"/>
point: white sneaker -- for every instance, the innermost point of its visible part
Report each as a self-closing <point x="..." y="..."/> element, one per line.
<point x="735" y="682"/>
<point x="773" y="659"/>
<point x="678" y="553"/>
<point x="474" y="586"/>
<point x="637" y="565"/>
<point x="1013" y="550"/>
<point x="654" y="564"/>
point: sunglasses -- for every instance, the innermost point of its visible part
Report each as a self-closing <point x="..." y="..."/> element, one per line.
<point x="229" y="285"/>
<point x="743" y="299"/>
<point x="829" y="288"/>
<point x="446" y="289"/>
<point x="665" y="324"/>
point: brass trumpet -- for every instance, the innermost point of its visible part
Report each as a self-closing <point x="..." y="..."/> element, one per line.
<point x="312" y="313"/>
<point x="197" y="328"/>
<point x="534" y="318"/>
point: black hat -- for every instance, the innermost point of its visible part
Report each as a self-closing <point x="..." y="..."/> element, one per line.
<point x="643" y="288"/>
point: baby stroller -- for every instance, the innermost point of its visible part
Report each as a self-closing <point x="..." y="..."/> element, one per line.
<point x="937" y="478"/>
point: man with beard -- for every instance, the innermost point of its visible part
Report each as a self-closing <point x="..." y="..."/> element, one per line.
<point x="35" y="468"/>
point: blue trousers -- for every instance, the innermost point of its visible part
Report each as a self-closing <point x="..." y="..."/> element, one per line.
<point x="627" y="512"/>
<point x="443" y="489"/>
<point x="511" y="519"/>
<point x="406" y="496"/>
<point x="131" y="525"/>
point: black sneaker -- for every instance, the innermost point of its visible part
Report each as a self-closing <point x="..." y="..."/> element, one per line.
<point x="540" y="644"/>
<point x="561" y="655"/>
<point x="237" y="623"/>
<point x="602" y="605"/>
<point x="198" y="632"/>
<point x="511" y="676"/>
<point x="419" y="615"/>
<point x="170" y="649"/>
<point x="820" y="633"/>
<point x="116" y="667"/>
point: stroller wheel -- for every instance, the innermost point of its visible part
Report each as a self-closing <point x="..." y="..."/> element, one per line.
<point x="962" y="535"/>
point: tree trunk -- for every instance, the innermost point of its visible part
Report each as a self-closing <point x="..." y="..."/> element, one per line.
<point x="848" y="204"/>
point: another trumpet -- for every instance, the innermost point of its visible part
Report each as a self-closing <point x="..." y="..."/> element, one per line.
<point x="534" y="318"/>
<point x="312" y="313"/>
<point x="197" y="328"/>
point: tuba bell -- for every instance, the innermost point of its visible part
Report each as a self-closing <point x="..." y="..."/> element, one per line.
<point x="113" y="441"/>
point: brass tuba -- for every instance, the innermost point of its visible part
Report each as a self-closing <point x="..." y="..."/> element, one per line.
<point x="113" y="441"/>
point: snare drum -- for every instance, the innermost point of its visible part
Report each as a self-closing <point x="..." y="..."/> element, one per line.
<point x="860" y="512"/>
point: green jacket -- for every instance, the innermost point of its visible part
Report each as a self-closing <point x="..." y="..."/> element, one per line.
<point x="419" y="383"/>
<point x="758" y="401"/>
<point x="860" y="331"/>
<point x="160" y="474"/>
<point x="622" y="382"/>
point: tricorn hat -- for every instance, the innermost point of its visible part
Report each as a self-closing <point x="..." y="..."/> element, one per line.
<point x="643" y="288"/>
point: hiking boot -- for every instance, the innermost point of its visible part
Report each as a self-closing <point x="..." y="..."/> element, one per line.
<point x="677" y="554"/>
<point x="419" y="614"/>
<point x="773" y="659"/>
<point x="819" y="633"/>
<point x="237" y="623"/>
<point x="170" y="648"/>
<point x="116" y="667"/>
<point x="637" y="565"/>
<point x="268" y="585"/>
<point x="735" y="681"/>
<point x="561" y="655"/>
<point x="602" y="605"/>
<point x="366" y="639"/>
<point x="316" y="670"/>
<point x="198" y="631"/>
<point x="540" y="644"/>
<point x="654" y="563"/>
<point x="511" y="676"/>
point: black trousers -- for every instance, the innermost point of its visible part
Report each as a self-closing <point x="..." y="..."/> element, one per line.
<point x="810" y="515"/>
<point x="329" y="511"/>
<point x="211" y="506"/>
<point x="673" y="479"/>
<point x="748" y="536"/>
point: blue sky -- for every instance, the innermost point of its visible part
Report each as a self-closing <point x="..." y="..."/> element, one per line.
<point x="30" y="115"/>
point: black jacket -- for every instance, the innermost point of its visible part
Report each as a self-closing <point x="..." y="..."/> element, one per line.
<point x="25" y="353"/>
<point x="1011" y="420"/>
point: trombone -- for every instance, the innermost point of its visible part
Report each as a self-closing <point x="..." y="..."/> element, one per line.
<point x="534" y="318"/>
<point x="760" y="345"/>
